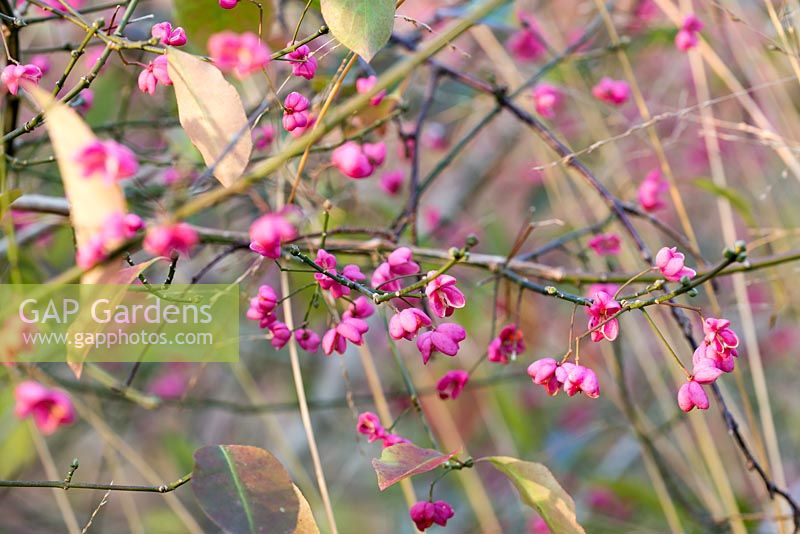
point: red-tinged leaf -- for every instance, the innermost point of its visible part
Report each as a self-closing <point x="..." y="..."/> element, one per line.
<point x="405" y="460"/>
<point x="245" y="489"/>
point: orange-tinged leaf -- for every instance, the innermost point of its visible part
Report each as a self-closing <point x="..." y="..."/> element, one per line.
<point x="212" y="115"/>
<point x="92" y="200"/>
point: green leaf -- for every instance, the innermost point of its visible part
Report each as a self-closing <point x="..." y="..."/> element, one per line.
<point x="539" y="489"/>
<point x="245" y="489"/>
<point x="203" y="18"/>
<point x="404" y="460"/>
<point x="736" y="199"/>
<point x="363" y="26"/>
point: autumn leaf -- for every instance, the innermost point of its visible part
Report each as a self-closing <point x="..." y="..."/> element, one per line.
<point x="92" y="201"/>
<point x="539" y="489"/>
<point x="305" y="518"/>
<point x="212" y="115"/>
<point x="404" y="460"/>
<point x="246" y="489"/>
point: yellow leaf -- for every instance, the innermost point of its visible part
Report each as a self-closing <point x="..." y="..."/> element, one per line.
<point x="539" y="489"/>
<point x="305" y="519"/>
<point x="212" y="115"/>
<point x="92" y="201"/>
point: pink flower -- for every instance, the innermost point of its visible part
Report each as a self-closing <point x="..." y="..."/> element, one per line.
<point x="670" y="262"/>
<point x="351" y="160"/>
<point x="605" y="244"/>
<point x="444" y="338"/>
<point x="719" y="344"/>
<point x="452" y="384"/>
<point x="91" y="253"/>
<point x="300" y="130"/>
<point x="350" y="329"/>
<point x="361" y="308"/>
<point x="537" y="525"/>
<point x="399" y="263"/>
<point x="280" y="334"/>
<point x="432" y="216"/>
<point x="705" y="371"/>
<point x="443" y="295"/>
<point x="578" y="379"/>
<point x="365" y="85"/>
<point x="171" y="384"/>
<point x="610" y="91"/>
<point x="43" y="62"/>
<point x="507" y="344"/>
<point x="263" y="136"/>
<point x="307" y="339"/>
<point x="375" y="152"/>
<point x="120" y="227"/>
<point x="109" y="159"/>
<point x="543" y="372"/>
<point x="228" y="4"/>
<point x="117" y="228"/>
<point x="425" y="513"/>
<point x="687" y="37"/>
<point x="435" y="136"/>
<point x="303" y="63"/>
<point x="167" y="35"/>
<point x="262" y="306"/>
<point x="369" y="425"/>
<point x="547" y="99"/>
<point x="602" y="308"/>
<point x="13" y="74"/>
<point x="691" y="395"/>
<point x="650" y="191"/>
<point x="407" y="323"/>
<point x="328" y="262"/>
<point x="269" y="232"/>
<point x="645" y="11"/>
<point x="243" y="54"/>
<point x="526" y="44"/>
<point x="50" y="408"/>
<point x="295" y="116"/>
<point x="605" y="501"/>
<point x="155" y="72"/>
<point x="392" y="182"/>
<point x="162" y="240"/>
